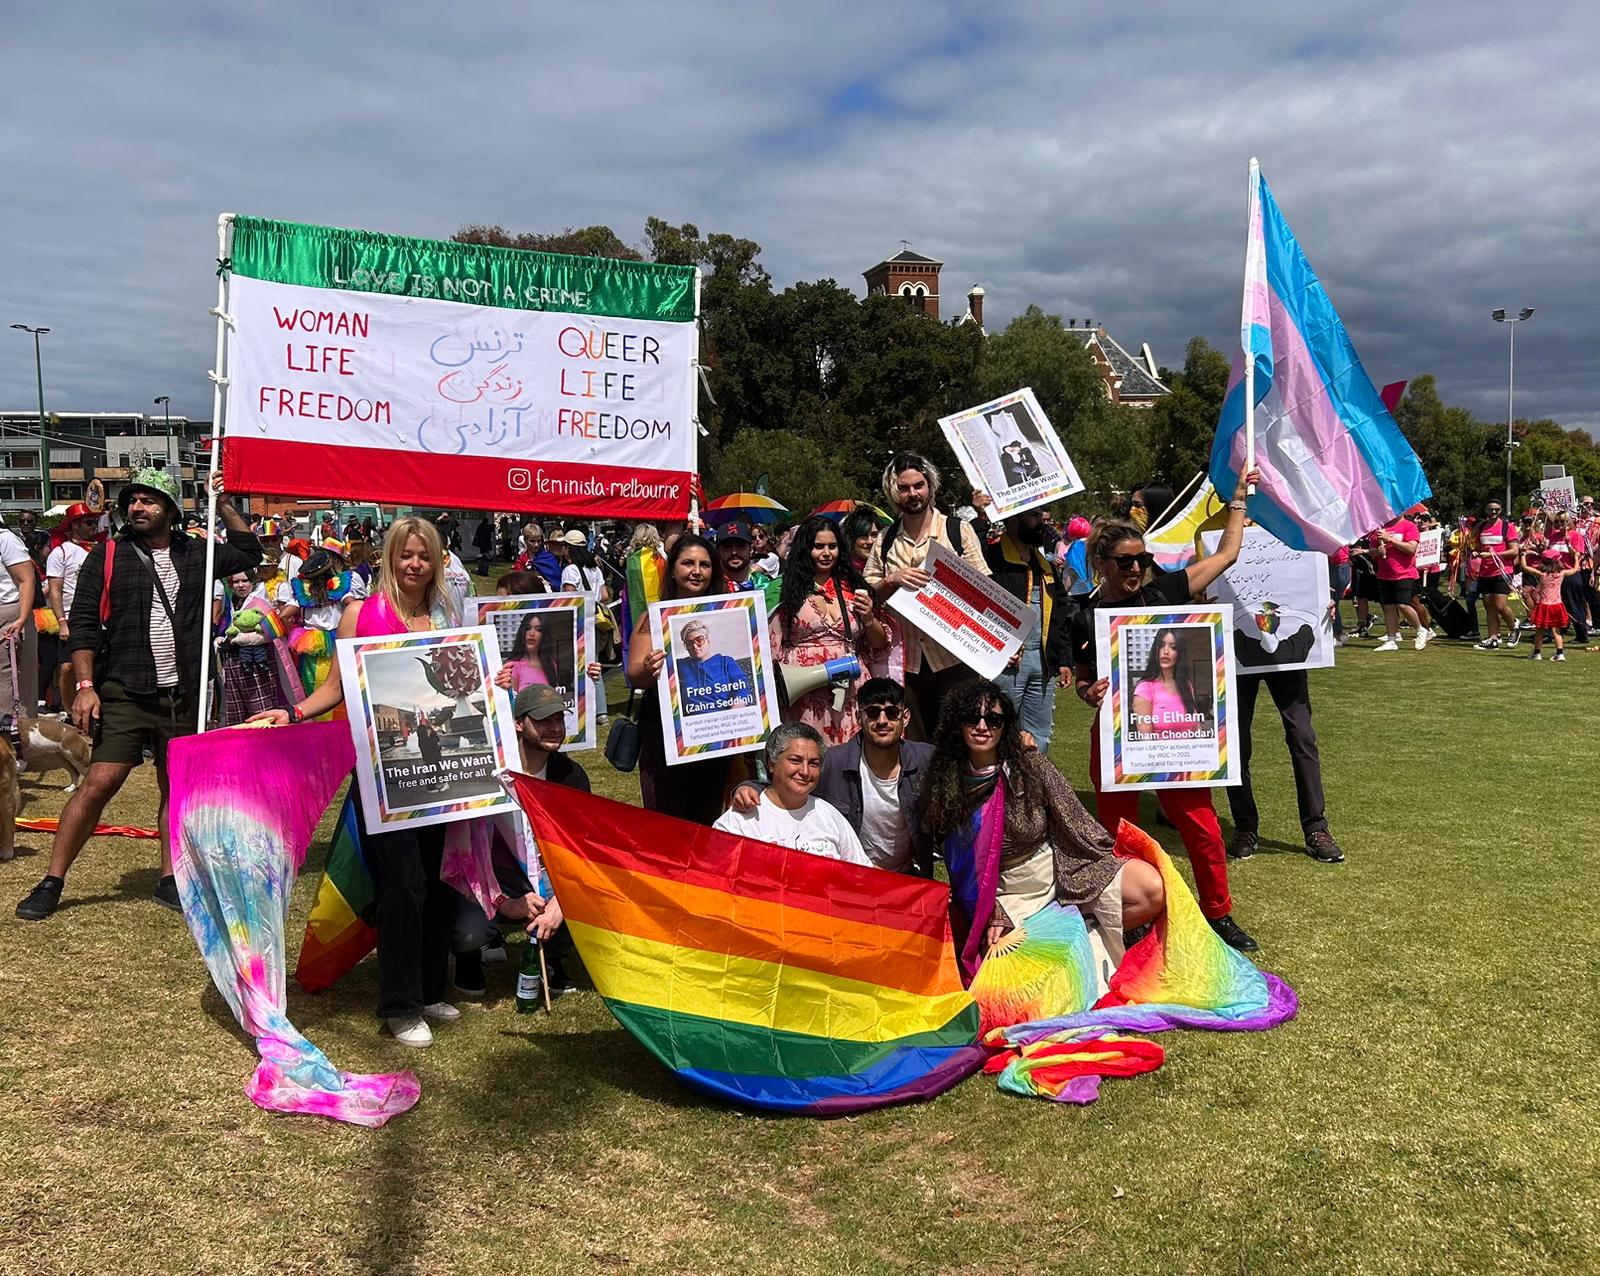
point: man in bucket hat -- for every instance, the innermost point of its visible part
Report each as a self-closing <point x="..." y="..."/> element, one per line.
<point x="138" y="619"/>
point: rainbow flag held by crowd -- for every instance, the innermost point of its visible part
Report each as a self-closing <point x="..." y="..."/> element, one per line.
<point x="644" y="572"/>
<point x="1180" y="975"/>
<point x="763" y="976"/>
<point x="1334" y="465"/>
<point x="337" y="932"/>
<point x="245" y="803"/>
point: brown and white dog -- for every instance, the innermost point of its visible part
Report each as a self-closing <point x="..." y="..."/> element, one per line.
<point x="48" y="744"/>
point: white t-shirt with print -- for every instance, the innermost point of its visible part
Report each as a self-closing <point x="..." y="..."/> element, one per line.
<point x="816" y="828"/>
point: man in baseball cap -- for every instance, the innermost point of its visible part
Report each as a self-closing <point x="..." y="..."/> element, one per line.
<point x="733" y="548"/>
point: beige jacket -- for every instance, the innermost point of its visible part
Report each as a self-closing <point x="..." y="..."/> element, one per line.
<point x="906" y="552"/>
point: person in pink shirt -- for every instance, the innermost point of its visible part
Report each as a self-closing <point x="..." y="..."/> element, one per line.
<point x="1493" y="560"/>
<point x="1566" y="536"/>
<point x="1549" y="615"/>
<point x="1164" y="700"/>
<point x="1394" y="555"/>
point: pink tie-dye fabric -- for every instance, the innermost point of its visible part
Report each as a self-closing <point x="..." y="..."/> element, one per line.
<point x="245" y="802"/>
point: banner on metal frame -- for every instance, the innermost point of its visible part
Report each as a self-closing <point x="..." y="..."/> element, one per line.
<point x="374" y="367"/>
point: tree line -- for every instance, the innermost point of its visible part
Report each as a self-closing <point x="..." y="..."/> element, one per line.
<point x="814" y="387"/>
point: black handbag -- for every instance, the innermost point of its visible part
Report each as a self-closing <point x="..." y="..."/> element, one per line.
<point x="622" y="744"/>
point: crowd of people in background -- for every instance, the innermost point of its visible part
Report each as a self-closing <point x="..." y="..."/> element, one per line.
<point x="105" y="625"/>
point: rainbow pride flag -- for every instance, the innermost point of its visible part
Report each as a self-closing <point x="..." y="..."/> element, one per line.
<point x="337" y="934"/>
<point x="763" y="976"/>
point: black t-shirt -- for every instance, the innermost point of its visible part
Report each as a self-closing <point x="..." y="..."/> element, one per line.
<point x="1171" y="590"/>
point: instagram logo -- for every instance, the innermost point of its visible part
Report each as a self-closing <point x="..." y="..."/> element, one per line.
<point x="519" y="480"/>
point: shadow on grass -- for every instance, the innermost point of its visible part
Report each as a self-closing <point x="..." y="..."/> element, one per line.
<point x="136" y="883"/>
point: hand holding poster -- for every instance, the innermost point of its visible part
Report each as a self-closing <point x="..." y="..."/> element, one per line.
<point x="1009" y="449"/>
<point x="431" y="729"/>
<point x="1167" y="719"/>
<point x="548" y="640"/>
<point x="720" y="691"/>
<point x="966" y="613"/>
<point x="1280" y="599"/>
<point x="377" y="367"/>
<point x="1430" y="549"/>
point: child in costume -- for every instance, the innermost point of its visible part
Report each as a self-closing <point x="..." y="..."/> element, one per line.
<point x="311" y="604"/>
<point x="1548" y="614"/>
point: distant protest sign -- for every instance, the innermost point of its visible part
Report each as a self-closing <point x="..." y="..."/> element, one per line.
<point x="967" y="613"/>
<point x="1559" y="493"/>
<point x="374" y="367"/>
<point x="1009" y="449"/>
<point x="1280" y="600"/>
<point x="1430" y="549"/>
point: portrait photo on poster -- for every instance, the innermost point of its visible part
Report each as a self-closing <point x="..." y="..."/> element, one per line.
<point x="721" y="695"/>
<point x="1280" y="599"/>
<point x="546" y="641"/>
<point x="1008" y="449"/>
<point x="1166" y="720"/>
<point x="431" y="730"/>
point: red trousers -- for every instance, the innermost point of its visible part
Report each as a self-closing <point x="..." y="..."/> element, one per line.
<point x="1192" y="815"/>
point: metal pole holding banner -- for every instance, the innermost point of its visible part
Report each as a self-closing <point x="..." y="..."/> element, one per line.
<point x="1249" y="356"/>
<point x="219" y="408"/>
<point x="697" y="428"/>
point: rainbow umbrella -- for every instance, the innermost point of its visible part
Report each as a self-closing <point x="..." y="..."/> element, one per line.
<point x="836" y="510"/>
<point x="744" y="507"/>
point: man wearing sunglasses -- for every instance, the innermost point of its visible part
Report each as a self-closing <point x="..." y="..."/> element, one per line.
<point x="1494" y="556"/>
<point x="872" y="780"/>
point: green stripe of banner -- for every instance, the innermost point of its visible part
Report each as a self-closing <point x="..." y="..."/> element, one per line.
<point x="681" y="1040"/>
<point x="366" y="261"/>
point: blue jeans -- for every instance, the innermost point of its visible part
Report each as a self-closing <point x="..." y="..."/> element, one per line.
<point x="1338" y="580"/>
<point x="1033" y="691"/>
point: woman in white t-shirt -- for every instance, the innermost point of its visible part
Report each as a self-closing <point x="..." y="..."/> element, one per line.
<point x="582" y="575"/>
<point x="77" y="531"/>
<point x="787" y="815"/>
<point x="18" y="587"/>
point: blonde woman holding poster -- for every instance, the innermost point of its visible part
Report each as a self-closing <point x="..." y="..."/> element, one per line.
<point x="1117" y="552"/>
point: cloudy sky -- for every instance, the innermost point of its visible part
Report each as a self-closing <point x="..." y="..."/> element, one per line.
<point x="1436" y="160"/>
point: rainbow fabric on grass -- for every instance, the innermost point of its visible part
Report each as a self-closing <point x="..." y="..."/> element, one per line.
<point x="1180" y="975"/>
<point x="1123" y="679"/>
<point x="245" y="802"/>
<point x="763" y="976"/>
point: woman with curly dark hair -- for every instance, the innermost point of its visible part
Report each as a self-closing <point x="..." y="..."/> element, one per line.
<point x="824" y="612"/>
<point x="1015" y="836"/>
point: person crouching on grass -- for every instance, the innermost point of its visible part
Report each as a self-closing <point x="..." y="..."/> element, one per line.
<point x="540" y="715"/>
<point x="787" y="814"/>
<point x="415" y="908"/>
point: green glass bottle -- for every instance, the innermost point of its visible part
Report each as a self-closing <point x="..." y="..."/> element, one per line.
<point x="530" y="985"/>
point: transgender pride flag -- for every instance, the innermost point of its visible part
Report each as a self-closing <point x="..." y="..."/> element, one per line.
<point x="1333" y="463"/>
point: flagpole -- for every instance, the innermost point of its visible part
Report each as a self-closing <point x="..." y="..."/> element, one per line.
<point x="1249" y="356"/>
<point x="219" y="406"/>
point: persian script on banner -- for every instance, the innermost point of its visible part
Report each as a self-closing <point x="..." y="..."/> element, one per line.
<point x="374" y="367"/>
<point x="967" y="613"/>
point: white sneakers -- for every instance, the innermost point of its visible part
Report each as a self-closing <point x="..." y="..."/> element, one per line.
<point x="1388" y="644"/>
<point x="1424" y="636"/>
<point x="410" y="1030"/>
<point x="1537" y="656"/>
<point x="413" y="1030"/>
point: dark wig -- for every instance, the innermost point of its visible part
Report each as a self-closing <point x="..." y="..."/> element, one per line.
<point x="947" y="800"/>
<point x="799" y="577"/>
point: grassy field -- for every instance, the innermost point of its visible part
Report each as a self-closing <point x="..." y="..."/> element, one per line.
<point x="1433" y="1109"/>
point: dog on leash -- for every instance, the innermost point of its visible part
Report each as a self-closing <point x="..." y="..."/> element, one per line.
<point x="48" y="744"/>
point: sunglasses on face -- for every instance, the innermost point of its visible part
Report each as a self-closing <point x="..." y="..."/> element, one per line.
<point x="990" y="718"/>
<point x="873" y="712"/>
<point x="1127" y="562"/>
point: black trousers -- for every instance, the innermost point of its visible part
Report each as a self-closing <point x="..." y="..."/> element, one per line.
<point x="1576" y="600"/>
<point x="1291" y="692"/>
<point x="926" y="690"/>
<point x="416" y="914"/>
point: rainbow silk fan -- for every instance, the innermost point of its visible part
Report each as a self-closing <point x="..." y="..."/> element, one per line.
<point x="1042" y="969"/>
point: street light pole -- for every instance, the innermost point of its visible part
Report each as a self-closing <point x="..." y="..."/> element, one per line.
<point x="1499" y="316"/>
<point x="165" y="400"/>
<point x="44" y="444"/>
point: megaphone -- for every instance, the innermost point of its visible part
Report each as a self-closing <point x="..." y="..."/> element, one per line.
<point x="796" y="681"/>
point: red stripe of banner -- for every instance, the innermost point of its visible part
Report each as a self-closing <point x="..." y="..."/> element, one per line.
<point x="454" y="482"/>
<point x="612" y="833"/>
